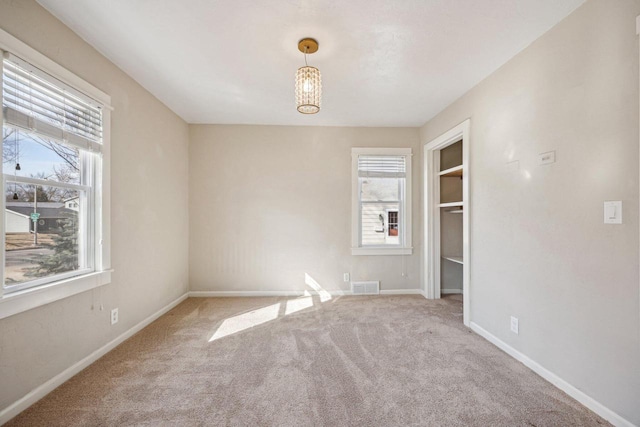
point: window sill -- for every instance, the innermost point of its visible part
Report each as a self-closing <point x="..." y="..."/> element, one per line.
<point x="20" y="301"/>
<point x="381" y="251"/>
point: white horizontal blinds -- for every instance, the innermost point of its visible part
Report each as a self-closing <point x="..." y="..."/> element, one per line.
<point x="39" y="103"/>
<point x="382" y="166"/>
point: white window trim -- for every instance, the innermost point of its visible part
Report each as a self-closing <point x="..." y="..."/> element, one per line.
<point x="27" y="299"/>
<point x="356" y="248"/>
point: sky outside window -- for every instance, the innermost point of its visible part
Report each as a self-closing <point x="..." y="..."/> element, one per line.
<point x="38" y="157"/>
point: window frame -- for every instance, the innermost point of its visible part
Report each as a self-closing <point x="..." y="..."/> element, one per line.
<point x="87" y="245"/>
<point x="405" y="207"/>
<point x="99" y="239"/>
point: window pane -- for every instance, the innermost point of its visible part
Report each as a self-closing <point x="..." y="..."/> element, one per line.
<point x="380" y="189"/>
<point x="38" y="157"/>
<point x="392" y="217"/>
<point x="376" y="227"/>
<point x="42" y="232"/>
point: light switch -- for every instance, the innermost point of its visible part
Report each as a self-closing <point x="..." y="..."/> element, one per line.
<point x="613" y="212"/>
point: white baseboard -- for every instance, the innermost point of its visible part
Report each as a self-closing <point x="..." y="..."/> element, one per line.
<point x="217" y="294"/>
<point x="563" y="385"/>
<point x="450" y="291"/>
<point x="401" y="292"/>
<point x="41" y="391"/>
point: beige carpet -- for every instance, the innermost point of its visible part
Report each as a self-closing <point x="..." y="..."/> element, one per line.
<point x="345" y="361"/>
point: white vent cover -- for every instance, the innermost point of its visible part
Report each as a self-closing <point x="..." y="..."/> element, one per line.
<point x="365" y="288"/>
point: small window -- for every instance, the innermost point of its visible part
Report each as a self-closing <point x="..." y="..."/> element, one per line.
<point x="381" y="201"/>
<point x="393" y="223"/>
<point x="53" y="138"/>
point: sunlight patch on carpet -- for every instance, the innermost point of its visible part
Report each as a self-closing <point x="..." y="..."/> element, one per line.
<point x="298" y="304"/>
<point x="248" y="320"/>
<point x="245" y="321"/>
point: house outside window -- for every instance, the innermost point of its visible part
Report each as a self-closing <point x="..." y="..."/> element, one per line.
<point x="381" y="201"/>
<point x="392" y="227"/>
<point x="55" y="163"/>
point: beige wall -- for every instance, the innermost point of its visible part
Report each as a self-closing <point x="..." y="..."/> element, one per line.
<point x="268" y="204"/>
<point x="539" y="248"/>
<point x="271" y="203"/>
<point x="149" y="221"/>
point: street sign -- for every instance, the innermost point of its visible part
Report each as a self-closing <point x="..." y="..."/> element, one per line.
<point x="35" y="216"/>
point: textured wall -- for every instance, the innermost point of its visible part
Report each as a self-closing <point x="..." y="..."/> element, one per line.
<point x="539" y="248"/>
<point x="271" y="203"/>
<point x="149" y="221"/>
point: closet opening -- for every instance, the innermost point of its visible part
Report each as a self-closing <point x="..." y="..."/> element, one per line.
<point x="447" y="255"/>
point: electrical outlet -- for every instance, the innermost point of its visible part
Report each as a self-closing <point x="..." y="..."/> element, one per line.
<point x="114" y="316"/>
<point x="346" y="277"/>
<point x="514" y="325"/>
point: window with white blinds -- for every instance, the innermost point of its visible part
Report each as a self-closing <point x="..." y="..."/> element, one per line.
<point x="381" y="201"/>
<point x="54" y="158"/>
<point x="382" y="166"/>
<point x="35" y="101"/>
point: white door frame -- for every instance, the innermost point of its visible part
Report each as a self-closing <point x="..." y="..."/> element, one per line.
<point x="432" y="214"/>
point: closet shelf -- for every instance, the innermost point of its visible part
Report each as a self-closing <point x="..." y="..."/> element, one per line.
<point x="456" y="259"/>
<point x="455" y="211"/>
<point x="450" y="205"/>
<point x="455" y="171"/>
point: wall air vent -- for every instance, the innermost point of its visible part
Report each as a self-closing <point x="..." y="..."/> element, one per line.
<point x="365" y="288"/>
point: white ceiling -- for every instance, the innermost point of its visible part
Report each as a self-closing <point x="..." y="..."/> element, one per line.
<point x="383" y="62"/>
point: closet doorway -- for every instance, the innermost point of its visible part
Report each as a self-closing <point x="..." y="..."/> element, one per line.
<point x="446" y="216"/>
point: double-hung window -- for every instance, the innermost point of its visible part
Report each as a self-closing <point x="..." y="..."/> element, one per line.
<point x="54" y="139"/>
<point x="381" y="201"/>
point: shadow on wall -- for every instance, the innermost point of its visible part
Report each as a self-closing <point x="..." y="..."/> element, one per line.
<point x="250" y="319"/>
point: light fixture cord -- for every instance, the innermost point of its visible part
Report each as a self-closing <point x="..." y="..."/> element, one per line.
<point x="306" y="48"/>
<point x="15" y="170"/>
<point x="17" y="148"/>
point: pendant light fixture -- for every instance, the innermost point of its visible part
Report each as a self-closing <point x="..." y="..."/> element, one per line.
<point x="308" y="81"/>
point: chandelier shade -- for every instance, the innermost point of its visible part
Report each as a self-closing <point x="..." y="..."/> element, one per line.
<point x="308" y="81"/>
<point x="308" y="90"/>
